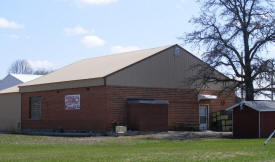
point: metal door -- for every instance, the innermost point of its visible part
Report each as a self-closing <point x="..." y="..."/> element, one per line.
<point x="203" y="117"/>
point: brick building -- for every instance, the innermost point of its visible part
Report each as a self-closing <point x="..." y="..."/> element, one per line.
<point x="91" y="94"/>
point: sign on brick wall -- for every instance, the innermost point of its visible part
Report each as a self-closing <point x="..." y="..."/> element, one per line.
<point x="72" y="102"/>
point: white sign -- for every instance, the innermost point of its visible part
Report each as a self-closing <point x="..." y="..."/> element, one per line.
<point x="72" y="102"/>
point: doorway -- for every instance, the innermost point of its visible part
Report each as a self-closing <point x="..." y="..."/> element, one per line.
<point x="204" y="117"/>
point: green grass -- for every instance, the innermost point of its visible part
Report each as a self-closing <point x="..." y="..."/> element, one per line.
<point x="42" y="148"/>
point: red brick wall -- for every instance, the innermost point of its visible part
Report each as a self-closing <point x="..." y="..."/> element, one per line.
<point x="221" y="103"/>
<point x="101" y="106"/>
<point x="245" y="123"/>
<point x="93" y="113"/>
<point x="183" y="109"/>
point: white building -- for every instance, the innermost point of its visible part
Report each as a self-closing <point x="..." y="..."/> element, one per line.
<point x="15" y="79"/>
<point x="10" y="100"/>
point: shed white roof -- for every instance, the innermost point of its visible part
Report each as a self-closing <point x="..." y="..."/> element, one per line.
<point x="22" y="78"/>
<point x="261" y="106"/>
<point x="97" y="67"/>
<point x="25" y="77"/>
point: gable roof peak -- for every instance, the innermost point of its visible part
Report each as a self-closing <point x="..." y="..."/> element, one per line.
<point x="96" y="67"/>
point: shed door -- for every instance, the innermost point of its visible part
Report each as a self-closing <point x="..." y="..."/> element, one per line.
<point x="203" y="117"/>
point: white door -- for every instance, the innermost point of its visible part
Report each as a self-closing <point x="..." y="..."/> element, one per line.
<point x="203" y="117"/>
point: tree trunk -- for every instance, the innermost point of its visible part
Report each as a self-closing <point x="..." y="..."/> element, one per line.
<point x="248" y="80"/>
<point x="249" y="89"/>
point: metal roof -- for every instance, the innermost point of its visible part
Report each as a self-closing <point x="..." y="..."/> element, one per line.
<point x="261" y="106"/>
<point x="13" y="89"/>
<point x="25" y="77"/>
<point x="21" y="77"/>
<point x="98" y="67"/>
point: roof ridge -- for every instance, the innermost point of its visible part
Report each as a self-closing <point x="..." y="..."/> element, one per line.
<point x="123" y="53"/>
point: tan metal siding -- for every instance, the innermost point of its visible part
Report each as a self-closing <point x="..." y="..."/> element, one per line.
<point x="10" y="112"/>
<point x="164" y="70"/>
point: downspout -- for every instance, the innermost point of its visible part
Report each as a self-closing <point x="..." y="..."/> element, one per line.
<point x="106" y="125"/>
<point x="21" y="114"/>
<point x="259" y="124"/>
<point x="195" y="115"/>
<point x="105" y="82"/>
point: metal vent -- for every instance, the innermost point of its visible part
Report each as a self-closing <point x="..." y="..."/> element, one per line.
<point x="177" y="51"/>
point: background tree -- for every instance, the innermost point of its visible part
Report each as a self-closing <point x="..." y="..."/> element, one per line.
<point x="42" y="72"/>
<point x="24" y="67"/>
<point x="21" y="67"/>
<point x="235" y="34"/>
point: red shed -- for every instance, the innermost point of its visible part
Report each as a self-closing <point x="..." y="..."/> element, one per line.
<point x="253" y="119"/>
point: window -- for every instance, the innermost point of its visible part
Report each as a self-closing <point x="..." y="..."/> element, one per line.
<point x="177" y="51"/>
<point x="35" y="108"/>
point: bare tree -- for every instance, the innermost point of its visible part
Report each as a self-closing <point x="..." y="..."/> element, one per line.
<point x="235" y="34"/>
<point x="42" y="72"/>
<point x="21" y="67"/>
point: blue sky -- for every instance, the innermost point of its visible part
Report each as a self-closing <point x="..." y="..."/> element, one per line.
<point x="54" y="33"/>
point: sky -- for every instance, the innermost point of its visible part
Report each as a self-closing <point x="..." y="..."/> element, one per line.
<point x="54" y="33"/>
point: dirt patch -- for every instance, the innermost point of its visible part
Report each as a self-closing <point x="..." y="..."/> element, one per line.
<point x="178" y="135"/>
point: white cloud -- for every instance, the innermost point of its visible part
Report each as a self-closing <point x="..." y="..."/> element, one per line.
<point x="4" y="23"/>
<point x="120" y="49"/>
<point x="41" y="64"/>
<point x="97" y="2"/>
<point x="91" y="41"/>
<point x="14" y="36"/>
<point x="78" y="30"/>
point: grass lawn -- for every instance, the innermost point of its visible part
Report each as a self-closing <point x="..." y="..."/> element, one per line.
<point x="43" y="148"/>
